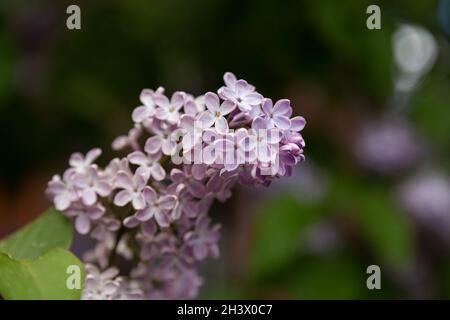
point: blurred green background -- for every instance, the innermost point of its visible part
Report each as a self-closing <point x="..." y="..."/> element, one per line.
<point x="310" y="236"/>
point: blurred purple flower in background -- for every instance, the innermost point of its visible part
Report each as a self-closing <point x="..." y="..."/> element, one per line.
<point x="308" y="183"/>
<point x="426" y="197"/>
<point x="387" y="146"/>
<point x="322" y="238"/>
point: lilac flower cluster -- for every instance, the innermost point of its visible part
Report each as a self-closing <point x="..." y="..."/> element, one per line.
<point x="151" y="206"/>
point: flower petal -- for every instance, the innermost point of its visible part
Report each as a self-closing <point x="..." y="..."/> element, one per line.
<point x="177" y="99"/>
<point x="138" y="158"/>
<point x="242" y="88"/>
<point x="227" y="107"/>
<point x="149" y="228"/>
<point x="196" y="188"/>
<point x="124" y="180"/>
<point x="161" y="100"/>
<point x="161" y="113"/>
<point x="138" y="201"/>
<point x="82" y="224"/>
<point x="141" y="113"/>
<point x="158" y="172"/>
<point x="187" y="122"/>
<point x="92" y="155"/>
<point x="103" y="188"/>
<point x="207" y="119"/>
<point x="255" y="112"/>
<point x="229" y="79"/>
<point x="131" y="222"/>
<point x="188" y="141"/>
<point x="149" y="195"/>
<point x="162" y="218"/>
<point x="273" y="136"/>
<point x="146" y="97"/>
<point x="168" y="146"/>
<point x="76" y="160"/>
<point x="198" y="171"/>
<point x="62" y="201"/>
<point x="253" y="99"/>
<point x="190" y="108"/>
<point x="212" y="102"/>
<point x="122" y="198"/>
<point x="173" y="117"/>
<point x="259" y="124"/>
<point x="209" y="154"/>
<point x="95" y="212"/>
<point x="282" y="122"/>
<point x="144" y="171"/>
<point x="282" y="107"/>
<point x="264" y="152"/>
<point x="153" y="144"/>
<point x="298" y="123"/>
<point x="227" y="93"/>
<point x="221" y="125"/>
<point x="176" y="212"/>
<point x="177" y="175"/>
<point x="139" y="180"/>
<point x="145" y="214"/>
<point x="167" y="202"/>
<point x="267" y="105"/>
<point x="200" y="251"/>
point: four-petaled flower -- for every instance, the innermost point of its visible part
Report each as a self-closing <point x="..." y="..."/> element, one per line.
<point x="133" y="187"/>
<point x="149" y="165"/>
<point x="242" y="94"/>
<point x="169" y="110"/>
<point x="84" y="215"/>
<point x="216" y="112"/>
<point x="81" y="164"/>
<point x="90" y="184"/>
<point x="278" y="114"/>
<point x="165" y="140"/>
<point x="129" y="140"/>
<point x="147" y="109"/>
<point x="62" y="191"/>
<point x="157" y="207"/>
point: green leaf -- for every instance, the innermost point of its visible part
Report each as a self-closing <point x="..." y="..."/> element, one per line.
<point x="42" y="278"/>
<point x="48" y="231"/>
<point x="34" y="260"/>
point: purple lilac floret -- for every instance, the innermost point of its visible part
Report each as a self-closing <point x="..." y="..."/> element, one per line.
<point x="151" y="206"/>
